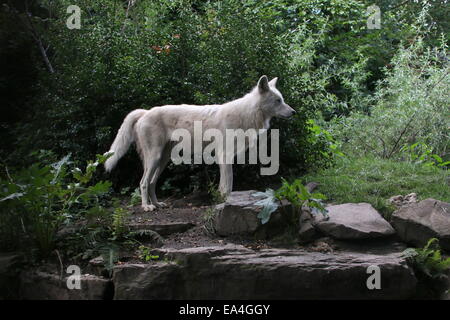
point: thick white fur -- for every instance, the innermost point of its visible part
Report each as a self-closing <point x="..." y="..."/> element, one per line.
<point x="152" y="130"/>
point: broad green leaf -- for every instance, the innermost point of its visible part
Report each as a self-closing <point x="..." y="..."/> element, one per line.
<point x="269" y="204"/>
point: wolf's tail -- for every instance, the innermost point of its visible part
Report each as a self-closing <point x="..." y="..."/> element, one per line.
<point x="124" y="138"/>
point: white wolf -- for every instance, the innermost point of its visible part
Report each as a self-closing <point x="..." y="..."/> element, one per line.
<point x="152" y="130"/>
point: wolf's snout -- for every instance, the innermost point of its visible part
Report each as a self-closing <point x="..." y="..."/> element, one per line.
<point x="292" y="111"/>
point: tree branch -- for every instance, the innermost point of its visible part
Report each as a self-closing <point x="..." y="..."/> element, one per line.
<point x="28" y="24"/>
<point x="130" y="4"/>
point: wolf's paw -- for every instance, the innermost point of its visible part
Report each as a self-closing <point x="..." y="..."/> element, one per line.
<point x="148" y="207"/>
<point x="161" y="205"/>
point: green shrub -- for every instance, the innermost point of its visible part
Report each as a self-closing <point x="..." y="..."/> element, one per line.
<point x="37" y="201"/>
<point x="411" y="106"/>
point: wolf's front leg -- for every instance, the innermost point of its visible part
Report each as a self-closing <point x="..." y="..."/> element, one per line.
<point x="226" y="179"/>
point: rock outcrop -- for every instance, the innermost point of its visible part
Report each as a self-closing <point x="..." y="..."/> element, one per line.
<point x="235" y="272"/>
<point x="418" y="222"/>
<point x="239" y="216"/>
<point x="43" y="285"/>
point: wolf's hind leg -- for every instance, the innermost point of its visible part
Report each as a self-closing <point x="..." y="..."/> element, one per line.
<point x="151" y="158"/>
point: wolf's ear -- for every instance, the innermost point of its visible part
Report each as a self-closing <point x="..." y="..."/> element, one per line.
<point x="263" y="84"/>
<point x="273" y="82"/>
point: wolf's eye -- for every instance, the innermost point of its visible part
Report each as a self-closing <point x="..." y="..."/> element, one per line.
<point x="279" y="100"/>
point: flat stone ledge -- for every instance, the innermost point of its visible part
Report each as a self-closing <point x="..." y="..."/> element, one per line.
<point x="239" y="273"/>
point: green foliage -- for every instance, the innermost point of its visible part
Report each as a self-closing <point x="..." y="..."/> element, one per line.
<point x="36" y="201"/>
<point x="411" y="104"/>
<point x="208" y="217"/>
<point x="215" y="194"/>
<point x="145" y="254"/>
<point x="423" y="154"/>
<point x="428" y="260"/>
<point x="320" y="137"/>
<point x="135" y="197"/>
<point x="110" y="256"/>
<point x="119" y="228"/>
<point x="373" y="180"/>
<point x="169" y="52"/>
<point x="296" y="193"/>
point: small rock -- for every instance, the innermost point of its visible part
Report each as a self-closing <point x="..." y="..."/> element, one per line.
<point x="307" y="231"/>
<point x="310" y="186"/>
<point x="321" y="246"/>
<point x="400" y="201"/>
<point x="418" y="222"/>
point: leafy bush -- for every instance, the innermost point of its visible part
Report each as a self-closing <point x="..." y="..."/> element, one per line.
<point x="37" y="201"/>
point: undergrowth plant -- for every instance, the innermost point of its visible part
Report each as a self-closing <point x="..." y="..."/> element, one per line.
<point x="215" y="194"/>
<point x="296" y="193"/>
<point x="428" y="260"/>
<point x="208" y="217"/>
<point x="37" y="200"/>
<point x="422" y="153"/>
<point x="146" y="255"/>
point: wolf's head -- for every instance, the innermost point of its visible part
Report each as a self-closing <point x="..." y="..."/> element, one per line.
<point x="271" y="100"/>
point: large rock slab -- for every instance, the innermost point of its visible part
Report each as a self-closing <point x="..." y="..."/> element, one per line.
<point x="418" y="222"/>
<point x="353" y="221"/>
<point x="239" y="216"/>
<point x="43" y="285"/>
<point x="235" y="272"/>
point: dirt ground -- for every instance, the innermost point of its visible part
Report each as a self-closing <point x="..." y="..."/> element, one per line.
<point x="192" y="209"/>
<point x="189" y="209"/>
